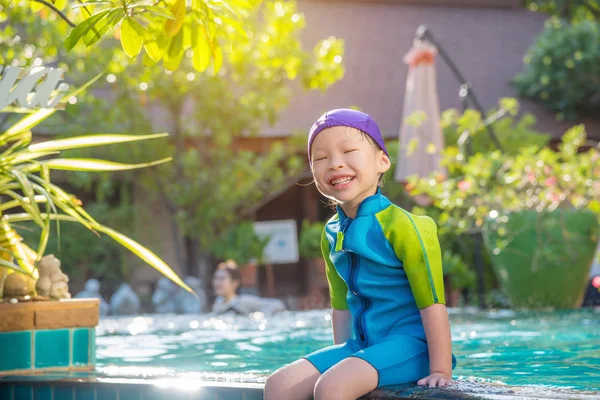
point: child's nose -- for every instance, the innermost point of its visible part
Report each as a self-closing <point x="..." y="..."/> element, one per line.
<point x="335" y="163"/>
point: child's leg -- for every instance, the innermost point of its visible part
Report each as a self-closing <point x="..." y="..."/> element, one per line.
<point x="347" y="380"/>
<point x="295" y="381"/>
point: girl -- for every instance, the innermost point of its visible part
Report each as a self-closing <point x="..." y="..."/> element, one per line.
<point x="390" y="324"/>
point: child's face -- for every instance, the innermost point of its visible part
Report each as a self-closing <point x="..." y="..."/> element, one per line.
<point x="346" y="166"/>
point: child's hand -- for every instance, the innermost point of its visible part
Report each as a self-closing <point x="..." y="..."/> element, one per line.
<point x="435" y="379"/>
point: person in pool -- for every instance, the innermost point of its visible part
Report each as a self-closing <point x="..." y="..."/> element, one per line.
<point x="390" y="323"/>
<point x="226" y="284"/>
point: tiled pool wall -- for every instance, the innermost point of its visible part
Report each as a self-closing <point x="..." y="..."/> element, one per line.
<point x="47" y="349"/>
<point x="120" y="391"/>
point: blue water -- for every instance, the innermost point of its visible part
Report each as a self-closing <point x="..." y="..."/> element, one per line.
<point x="549" y="351"/>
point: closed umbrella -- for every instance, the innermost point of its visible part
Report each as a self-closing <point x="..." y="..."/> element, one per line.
<point x="421" y="139"/>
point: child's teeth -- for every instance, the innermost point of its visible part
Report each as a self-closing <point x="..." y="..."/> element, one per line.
<point x="340" y="181"/>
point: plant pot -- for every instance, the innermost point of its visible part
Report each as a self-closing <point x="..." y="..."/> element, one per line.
<point x="45" y="336"/>
<point x="542" y="259"/>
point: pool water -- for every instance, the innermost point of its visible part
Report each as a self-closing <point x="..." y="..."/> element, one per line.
<point x="541" y="350"/>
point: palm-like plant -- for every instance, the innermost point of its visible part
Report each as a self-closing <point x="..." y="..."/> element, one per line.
<point x="25" y="182"/>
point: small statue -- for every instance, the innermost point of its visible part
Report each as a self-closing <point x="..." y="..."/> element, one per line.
<point x="163" y="297"/>
<point x="18" y="285"/>
<point x="186" y="302"/>
<point x="125" y="301"/>
<point x="92" y="291"/>
<point x="52" y="282"/>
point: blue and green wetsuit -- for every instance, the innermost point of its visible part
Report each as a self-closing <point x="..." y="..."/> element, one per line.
<point x="383" y="266"/>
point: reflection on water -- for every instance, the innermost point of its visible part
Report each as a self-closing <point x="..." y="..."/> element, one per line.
<point x="549" y="350"/>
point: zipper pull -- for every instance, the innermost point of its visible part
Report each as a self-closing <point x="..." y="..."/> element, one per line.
<point x="339" y="243"/>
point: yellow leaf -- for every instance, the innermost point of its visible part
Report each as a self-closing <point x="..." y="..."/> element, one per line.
<point x="145" y="254"/>
<point x="131" y="40"/>
<point x="89" y="141"/>
<point x="201" y="58"/>
<point x="217" y="57"/>
<point x="172" y="26"/>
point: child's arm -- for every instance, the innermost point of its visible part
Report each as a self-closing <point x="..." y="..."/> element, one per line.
<point x="342" y="323"/>
<point x="439" y="342"/>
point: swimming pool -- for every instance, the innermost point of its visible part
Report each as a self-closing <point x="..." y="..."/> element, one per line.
<point x="556" y="353"/>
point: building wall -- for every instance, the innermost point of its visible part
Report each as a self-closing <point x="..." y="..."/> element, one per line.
<point x="487" y="43"/>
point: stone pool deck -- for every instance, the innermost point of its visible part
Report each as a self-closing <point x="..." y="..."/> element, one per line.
<point x="97" y="386"/>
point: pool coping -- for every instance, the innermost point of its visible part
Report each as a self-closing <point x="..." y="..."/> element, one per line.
<point x="176" y="388"/>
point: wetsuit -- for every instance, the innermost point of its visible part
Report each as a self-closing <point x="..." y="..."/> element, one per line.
<point x="383" y="266"/>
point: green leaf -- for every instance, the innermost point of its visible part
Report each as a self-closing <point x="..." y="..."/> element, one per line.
<point x="103" y="26"/>
<point x="131" y="39"/>
<point x="173" y="26"/>
<point x="159" y="11"/>
<point x="26" y="205"/>
<point x="89" y="141"/>
<point x="172" y="58"/>
<point x="140" y="251"/>
<point x="14" y="267"/>
<point x="80" y="30"/>
<point x="201" y="58"/>
<point x="89" y="164"/>
<point x="28" y="190"/>
<point x="145" y="254"/>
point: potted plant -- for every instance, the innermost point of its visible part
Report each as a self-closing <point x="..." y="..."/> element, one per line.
<point x="309" y="245"/>
<point x="33" y="290"/>
<point x="537" y="210"/>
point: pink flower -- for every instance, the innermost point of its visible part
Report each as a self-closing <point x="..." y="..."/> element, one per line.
<point x="531" y="177"/>
<point x="550" y="181"/>
<point x="464" y="185"/>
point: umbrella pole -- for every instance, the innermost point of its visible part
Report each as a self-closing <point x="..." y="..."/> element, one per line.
<point x="466" y="95"/>
<point x="466" y="92"/>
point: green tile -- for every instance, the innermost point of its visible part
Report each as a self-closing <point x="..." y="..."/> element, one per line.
<point x="6" y="392"/>
<point x="84" y="393"/>
<point x="15" y="348"/>
<point x="63" y="393"/>
<point x="52" y="348"/>
<point x="81" y="346"/>
<point x="42" y="392"/>
<point x="23" y="392"/>
<point x="103" y="393"/>
<point x="93" y="346"/>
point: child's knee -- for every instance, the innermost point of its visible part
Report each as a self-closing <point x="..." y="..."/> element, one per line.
<point x="328" y="387"/>
<point x="275" y="386"/>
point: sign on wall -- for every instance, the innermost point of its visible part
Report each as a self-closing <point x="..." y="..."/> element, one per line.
<point x="40" y="87"/>
<point x="283" y="245"/>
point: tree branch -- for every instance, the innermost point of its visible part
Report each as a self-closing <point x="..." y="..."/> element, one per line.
<point x="57" y="11"/>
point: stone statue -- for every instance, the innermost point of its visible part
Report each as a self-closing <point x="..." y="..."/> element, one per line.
<point x="52" y="282"/>
<point x="125" y="301"/>
<point x="92" y="291"/>
<point x="163" y="297"/>
<point x="186" y="302"/>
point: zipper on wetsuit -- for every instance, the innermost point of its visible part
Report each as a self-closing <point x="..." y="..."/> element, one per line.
<point x="365" y="303"/>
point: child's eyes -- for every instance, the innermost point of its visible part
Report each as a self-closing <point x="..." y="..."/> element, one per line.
<point x="350" y="151"/>
<point x="319" y="159"/>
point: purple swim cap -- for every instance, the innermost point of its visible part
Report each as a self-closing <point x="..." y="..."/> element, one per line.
<point x="347" y="117"/>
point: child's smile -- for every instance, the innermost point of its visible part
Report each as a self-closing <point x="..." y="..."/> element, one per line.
<point x="346" y="166"/>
